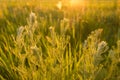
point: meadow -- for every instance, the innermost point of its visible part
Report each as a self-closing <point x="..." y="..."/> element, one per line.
<point x="55" y="40"/>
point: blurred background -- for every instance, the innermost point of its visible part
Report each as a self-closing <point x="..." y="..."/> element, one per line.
<point x="84" y="15"/>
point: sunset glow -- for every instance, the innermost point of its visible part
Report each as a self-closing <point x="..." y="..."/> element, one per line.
<point x="75" y="3"/>
<point x="59" y="5"/>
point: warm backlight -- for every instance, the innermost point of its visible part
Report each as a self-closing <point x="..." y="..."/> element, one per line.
<point x="59" y="5"/>
<point x="76" y="2"/>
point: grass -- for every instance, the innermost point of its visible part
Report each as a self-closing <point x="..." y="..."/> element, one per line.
<point x="45" y="43"/>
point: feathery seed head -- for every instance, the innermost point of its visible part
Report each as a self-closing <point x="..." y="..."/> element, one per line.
<point x="32" y="18"/>
<point x="20" y="30"/>
<point x="102" y="47"/>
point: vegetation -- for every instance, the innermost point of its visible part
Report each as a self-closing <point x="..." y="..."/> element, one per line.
<point x="39" y="42"/>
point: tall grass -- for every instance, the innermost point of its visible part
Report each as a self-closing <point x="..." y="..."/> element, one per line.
<point x="59" y="44"/>
<point x="40" y="53"/>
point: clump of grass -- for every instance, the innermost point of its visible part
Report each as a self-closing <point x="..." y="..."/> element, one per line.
<point x="36" y="56"/>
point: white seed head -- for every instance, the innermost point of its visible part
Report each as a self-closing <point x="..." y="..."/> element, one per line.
<point x="102" y="44"/>
<point x="102" y="47"/>
<point x="85" y="45"/>
<point x="20" y="30"/>
<point x="96" y="34"/>
<point x="32" y="18"/>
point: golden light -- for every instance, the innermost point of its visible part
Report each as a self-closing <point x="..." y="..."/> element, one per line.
<point x="59" y="5"/>
<point x="76" y="3"/>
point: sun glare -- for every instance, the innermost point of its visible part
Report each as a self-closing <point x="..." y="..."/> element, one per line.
<point x="76" y="3"/>
<point x="59" y="5"/>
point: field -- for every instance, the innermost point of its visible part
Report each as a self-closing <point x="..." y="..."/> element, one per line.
<point x="59" y="40"/>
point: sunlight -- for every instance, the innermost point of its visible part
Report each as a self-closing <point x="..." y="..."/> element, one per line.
<point x="75" y="3"/>
<point x="59" y="5"/>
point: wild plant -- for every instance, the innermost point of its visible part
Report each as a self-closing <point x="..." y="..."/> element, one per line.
<point x="38" y="56"/>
